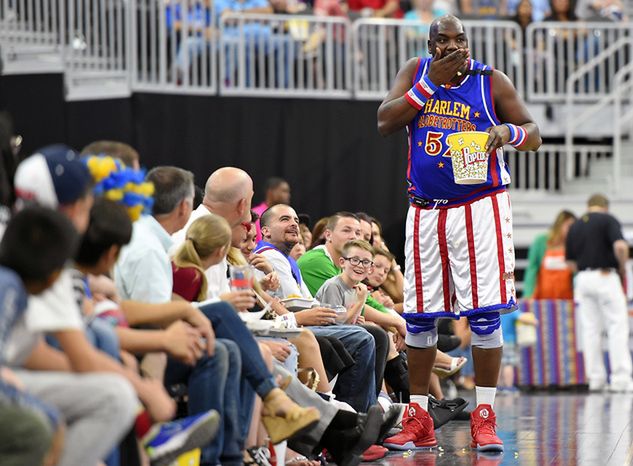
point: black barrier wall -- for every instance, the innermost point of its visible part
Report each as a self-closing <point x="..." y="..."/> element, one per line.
<point x="329" y="150"/>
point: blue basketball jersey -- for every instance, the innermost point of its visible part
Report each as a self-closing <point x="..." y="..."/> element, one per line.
<point x="451" y="109"/>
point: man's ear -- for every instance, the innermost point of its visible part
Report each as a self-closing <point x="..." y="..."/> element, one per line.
<point x="341" y="262"/>
<point x="241" y="210"/>
<point x="328" y="236"/>
<point x="265" y="231"/>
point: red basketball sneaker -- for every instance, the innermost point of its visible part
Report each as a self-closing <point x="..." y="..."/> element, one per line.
<point x="483" y="427"/>
<point x="417" y="431"/>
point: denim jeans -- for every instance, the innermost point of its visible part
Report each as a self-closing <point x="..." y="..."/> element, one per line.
<point x="227" y="324"/>
<point x="210" y="384"/>
<point x="291" y="364"/>
<point x="357" y="384"/>
<point x="102" y="336"/>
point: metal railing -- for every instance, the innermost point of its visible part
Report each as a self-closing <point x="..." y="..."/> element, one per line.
<point x="622" y="87"/>
<point x="173" y="47"/>
<point x="285" y="56"/>
<point x="573" y="119"/>
<point x="96" y="48"/>
<point x="545" y="170"/>
<point x="382" y="46"/>
<point x="32" y="28"/>
<point x="556" y="50"/>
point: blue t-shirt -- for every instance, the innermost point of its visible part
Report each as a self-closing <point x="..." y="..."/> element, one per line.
<point x="13" y="301"/>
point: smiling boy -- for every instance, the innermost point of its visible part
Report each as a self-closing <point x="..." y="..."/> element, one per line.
<point x="346" y="289"/>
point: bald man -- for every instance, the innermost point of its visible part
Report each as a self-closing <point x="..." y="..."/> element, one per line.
<point x="227" y="193"/>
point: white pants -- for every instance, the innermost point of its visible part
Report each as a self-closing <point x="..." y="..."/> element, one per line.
<point x="98" y="408"/>
<point x="459" y="259"/>
<point x="601" y="303"/>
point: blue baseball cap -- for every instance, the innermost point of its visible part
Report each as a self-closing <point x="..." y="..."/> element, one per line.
<point x="53" y="176"/>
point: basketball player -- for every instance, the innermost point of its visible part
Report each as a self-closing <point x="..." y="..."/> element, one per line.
<point x="459" y="252"/>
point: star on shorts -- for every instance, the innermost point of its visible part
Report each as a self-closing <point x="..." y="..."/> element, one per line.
<point x="419" y="143"/>
<point x="477" y="114"/>
<point x="440" y="165"/>
<point x="507" y="219"/>
<point x="508" y="235"/>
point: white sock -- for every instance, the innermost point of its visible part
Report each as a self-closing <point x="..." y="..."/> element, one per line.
<point x="422" y="400"/>
<point x="384" y="401"/>
<point x="485" y="396"/>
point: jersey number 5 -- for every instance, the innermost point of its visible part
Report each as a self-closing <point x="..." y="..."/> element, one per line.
<point x="433" y="145"/>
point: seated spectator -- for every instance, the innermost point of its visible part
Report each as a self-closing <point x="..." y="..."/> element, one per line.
<point x="119" y="150"/>
<point x="280" y="229"/>
<point x="206" y="244"/>
<point x="276" y="191"/>
<point x="484" y="9"/>
<point x="298" y="249"/>
<point x="319" y="264"/>
<point x="36" y="245"/>
<point x="547" y="275"/>
<point x="539" y="9"/>
<point x="144" y="269"/>
<point x="318" y="233"/>
<point x="304" y="229"/>
<point x="109" y="230"/>
<point x="55" y="177"/>
<point x="376" y="278"/>
<point x="376" y="8"/>
<point x="346" y="289"/>
<point x="425" y="11"/>
<point x="592" y="10"/>
<point x="562" y="11"/>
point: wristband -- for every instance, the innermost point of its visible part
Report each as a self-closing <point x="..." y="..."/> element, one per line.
<point x="518" y="135"/>
<point x="420" y="92"/>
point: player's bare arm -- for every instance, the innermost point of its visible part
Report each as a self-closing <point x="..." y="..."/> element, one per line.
<point x="510" y="108"/>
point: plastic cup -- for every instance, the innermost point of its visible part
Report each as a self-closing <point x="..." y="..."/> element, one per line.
<point x="469" y="157"/>
<point x="241" y="277"/>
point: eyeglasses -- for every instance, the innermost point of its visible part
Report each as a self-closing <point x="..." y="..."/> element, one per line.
<point x="355" y="261"/>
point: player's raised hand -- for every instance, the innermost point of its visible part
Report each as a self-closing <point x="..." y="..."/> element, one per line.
<point x="444" y="69"/>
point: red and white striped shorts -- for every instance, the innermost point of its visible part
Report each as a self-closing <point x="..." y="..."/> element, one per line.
<point x="460" y="260"/>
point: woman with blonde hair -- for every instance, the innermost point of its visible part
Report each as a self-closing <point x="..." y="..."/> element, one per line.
<point x="207" y="242"/>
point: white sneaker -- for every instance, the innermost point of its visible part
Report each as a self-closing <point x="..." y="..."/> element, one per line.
<point x="621" y="387"/>
<point x="597" y="387"/>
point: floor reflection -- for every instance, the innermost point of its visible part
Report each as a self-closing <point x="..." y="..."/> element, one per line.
<point x="541" y="429"/>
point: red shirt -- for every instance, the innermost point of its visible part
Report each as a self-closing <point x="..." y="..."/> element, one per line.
<point x="187" y="282"/>
<point x="358" y="5"/>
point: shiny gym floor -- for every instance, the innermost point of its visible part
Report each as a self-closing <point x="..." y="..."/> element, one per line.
<point x="543" y="428"/>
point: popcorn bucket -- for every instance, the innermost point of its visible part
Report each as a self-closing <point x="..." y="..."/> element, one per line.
<point x="469" y="157"/>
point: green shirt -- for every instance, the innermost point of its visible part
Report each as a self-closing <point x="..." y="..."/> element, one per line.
<point x="317" y="267"/>
<point x="535" y="257"/>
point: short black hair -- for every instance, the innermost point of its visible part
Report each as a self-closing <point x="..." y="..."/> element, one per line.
<point x="109" y="226"/>
<point x="254" y="216"/>
<point x="37" y="242"/>
<point x="365" y="217"/>
<point x="265" y="218"/>
<point x="273" y="183"/>
<point x="171" y="186"/>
